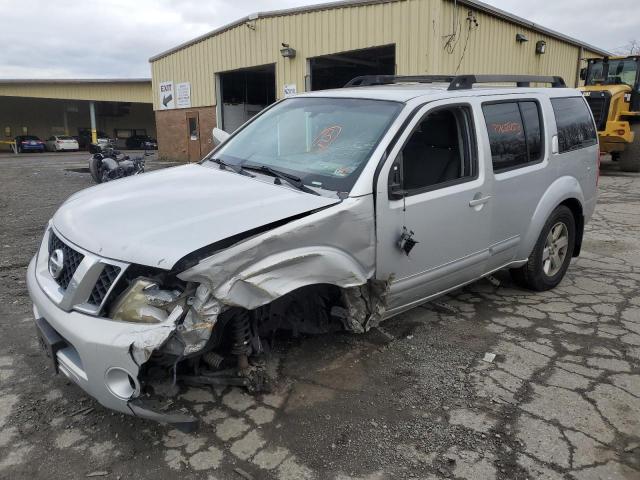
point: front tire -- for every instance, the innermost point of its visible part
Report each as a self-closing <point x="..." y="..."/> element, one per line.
<point x="95" y="167"/>
<point x="630" y="157"/>
<point x="551" y="256"/>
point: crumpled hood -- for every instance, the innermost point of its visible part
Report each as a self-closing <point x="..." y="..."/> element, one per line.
<point x="157" y="218"/>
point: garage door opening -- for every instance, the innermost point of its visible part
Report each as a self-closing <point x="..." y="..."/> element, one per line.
<point x="244" y="93"/>
<point x="335" y="70"/>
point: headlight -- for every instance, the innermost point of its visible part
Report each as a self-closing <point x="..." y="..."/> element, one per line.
<point x="143" y="302"/>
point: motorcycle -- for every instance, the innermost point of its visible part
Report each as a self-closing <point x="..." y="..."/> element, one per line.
<point x="108" y="164"/>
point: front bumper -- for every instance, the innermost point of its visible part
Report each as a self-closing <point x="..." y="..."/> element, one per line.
<point x="93" y="347"/>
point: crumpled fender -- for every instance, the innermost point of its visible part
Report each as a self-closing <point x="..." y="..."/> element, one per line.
<point x="564" y="188"/>
<point x="333" y="246"/>
<point x="286" y="271"/>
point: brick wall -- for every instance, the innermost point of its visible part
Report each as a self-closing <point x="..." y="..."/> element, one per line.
<point x="173" y="134"/>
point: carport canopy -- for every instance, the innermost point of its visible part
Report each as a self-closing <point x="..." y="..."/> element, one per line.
<point x="131" y="90"/>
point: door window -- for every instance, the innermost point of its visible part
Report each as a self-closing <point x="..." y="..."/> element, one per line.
<point x="193" y="128"/>
<point x="515" y="134"/>
<point x="438" y="153"/>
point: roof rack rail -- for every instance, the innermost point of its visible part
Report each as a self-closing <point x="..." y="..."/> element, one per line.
<point x="466" y="82"/>
<point x="456" y="82"/>
<point x="369" y="80"/>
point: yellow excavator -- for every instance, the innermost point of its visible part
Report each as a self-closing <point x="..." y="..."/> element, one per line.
<point x="612" y="90"/>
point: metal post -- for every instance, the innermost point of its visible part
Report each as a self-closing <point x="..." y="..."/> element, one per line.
<point x="65" y="120"/>
<point x="92" y="114"/>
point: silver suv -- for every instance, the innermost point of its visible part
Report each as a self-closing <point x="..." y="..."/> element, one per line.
<point x="330" y="210"/>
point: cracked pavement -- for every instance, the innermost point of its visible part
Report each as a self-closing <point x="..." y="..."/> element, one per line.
<point x="413" y="399"/>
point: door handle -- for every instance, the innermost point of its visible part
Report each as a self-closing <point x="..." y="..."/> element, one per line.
<point x="479" y="201"/>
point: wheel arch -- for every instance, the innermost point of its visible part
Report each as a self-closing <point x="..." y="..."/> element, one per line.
<point x="563" y="191"/>
<point x="578" y="215"/>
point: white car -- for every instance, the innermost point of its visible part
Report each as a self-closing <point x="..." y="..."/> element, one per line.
<point x="59" y="143"/>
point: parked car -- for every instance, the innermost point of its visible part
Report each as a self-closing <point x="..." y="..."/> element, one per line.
<point x="84" y="139"/>
<point x="329" y="210"/>
<point x="29" y="143"/>
<point x="143" y="142"/>
<point x="59" y="143"/>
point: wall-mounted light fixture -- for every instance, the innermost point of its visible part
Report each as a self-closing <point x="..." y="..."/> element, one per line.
<point x="287" y="51"/>
<point x="521" y="38"/>
<point x="541" y="47"/>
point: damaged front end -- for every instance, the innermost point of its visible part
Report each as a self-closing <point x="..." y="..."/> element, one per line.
<point x="213" y="322"/>
<point x="197" y="340"/>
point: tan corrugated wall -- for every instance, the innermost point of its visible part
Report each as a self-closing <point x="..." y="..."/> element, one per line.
<point x="416" y="27"/>
<point x="135" y="92"/>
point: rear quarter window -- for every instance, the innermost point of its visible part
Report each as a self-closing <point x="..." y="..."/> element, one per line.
<point x="575" y="126"/>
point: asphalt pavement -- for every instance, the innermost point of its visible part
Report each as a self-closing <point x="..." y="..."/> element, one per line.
<point x="489" y="382"/>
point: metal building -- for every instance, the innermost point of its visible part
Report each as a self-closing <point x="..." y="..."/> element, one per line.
<point x="228" y="75"/>
<point x="117" y="108"/>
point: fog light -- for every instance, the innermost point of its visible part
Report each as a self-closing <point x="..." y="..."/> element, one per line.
<point x="121" y="383"/>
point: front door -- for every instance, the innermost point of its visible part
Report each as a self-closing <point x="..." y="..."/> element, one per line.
<point x="193" y="137"/>
<point x="441" y="199"/>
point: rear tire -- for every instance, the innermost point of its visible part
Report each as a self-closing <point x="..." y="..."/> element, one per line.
<point x="551" y="255"/>
<point x="630" y="158"/>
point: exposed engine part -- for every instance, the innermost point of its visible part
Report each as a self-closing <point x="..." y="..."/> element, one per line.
<point x="193" y="333"/>
<point x="214" y="344"/>
<point x="213" y="360"/>
<point x="241" y="334"/>
<point x="254" y="379"/>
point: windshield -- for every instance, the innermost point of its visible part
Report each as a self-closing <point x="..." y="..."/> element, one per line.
<point x="615" y="72"/>
<point x="325" y="142"/>
<point x="64" y="137"/>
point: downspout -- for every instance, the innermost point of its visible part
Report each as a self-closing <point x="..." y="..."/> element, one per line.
<point x="579" y="66"/>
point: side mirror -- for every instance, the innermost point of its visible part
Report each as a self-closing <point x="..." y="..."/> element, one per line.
<point x="583" y="74"/>
<point x="395" y="183"/>
<point x="220" y="135"/>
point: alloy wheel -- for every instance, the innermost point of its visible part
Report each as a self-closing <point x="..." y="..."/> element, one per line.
<point x="555" y="249"/>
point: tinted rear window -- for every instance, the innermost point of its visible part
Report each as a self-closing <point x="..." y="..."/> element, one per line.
<point x="515" y="134"/>
<point x="533" y="129"/>
<point x="506" y="135"/>
<point x="575" y="125"/>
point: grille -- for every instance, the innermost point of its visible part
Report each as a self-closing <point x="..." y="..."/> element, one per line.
<point x="599" y="104"/>
<point x="71" y="259"/>
<point x="102" y="286"/>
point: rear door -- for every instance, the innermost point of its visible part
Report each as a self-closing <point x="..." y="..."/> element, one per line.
<point x="513" y="132"/>
<point x="440" y="198"/>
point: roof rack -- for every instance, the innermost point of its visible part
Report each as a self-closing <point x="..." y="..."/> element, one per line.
<point x="456" y="82"/>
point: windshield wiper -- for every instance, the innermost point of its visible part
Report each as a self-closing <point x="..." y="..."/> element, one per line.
<point x="290" y="179"/>
<point x="235" y="168"/>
